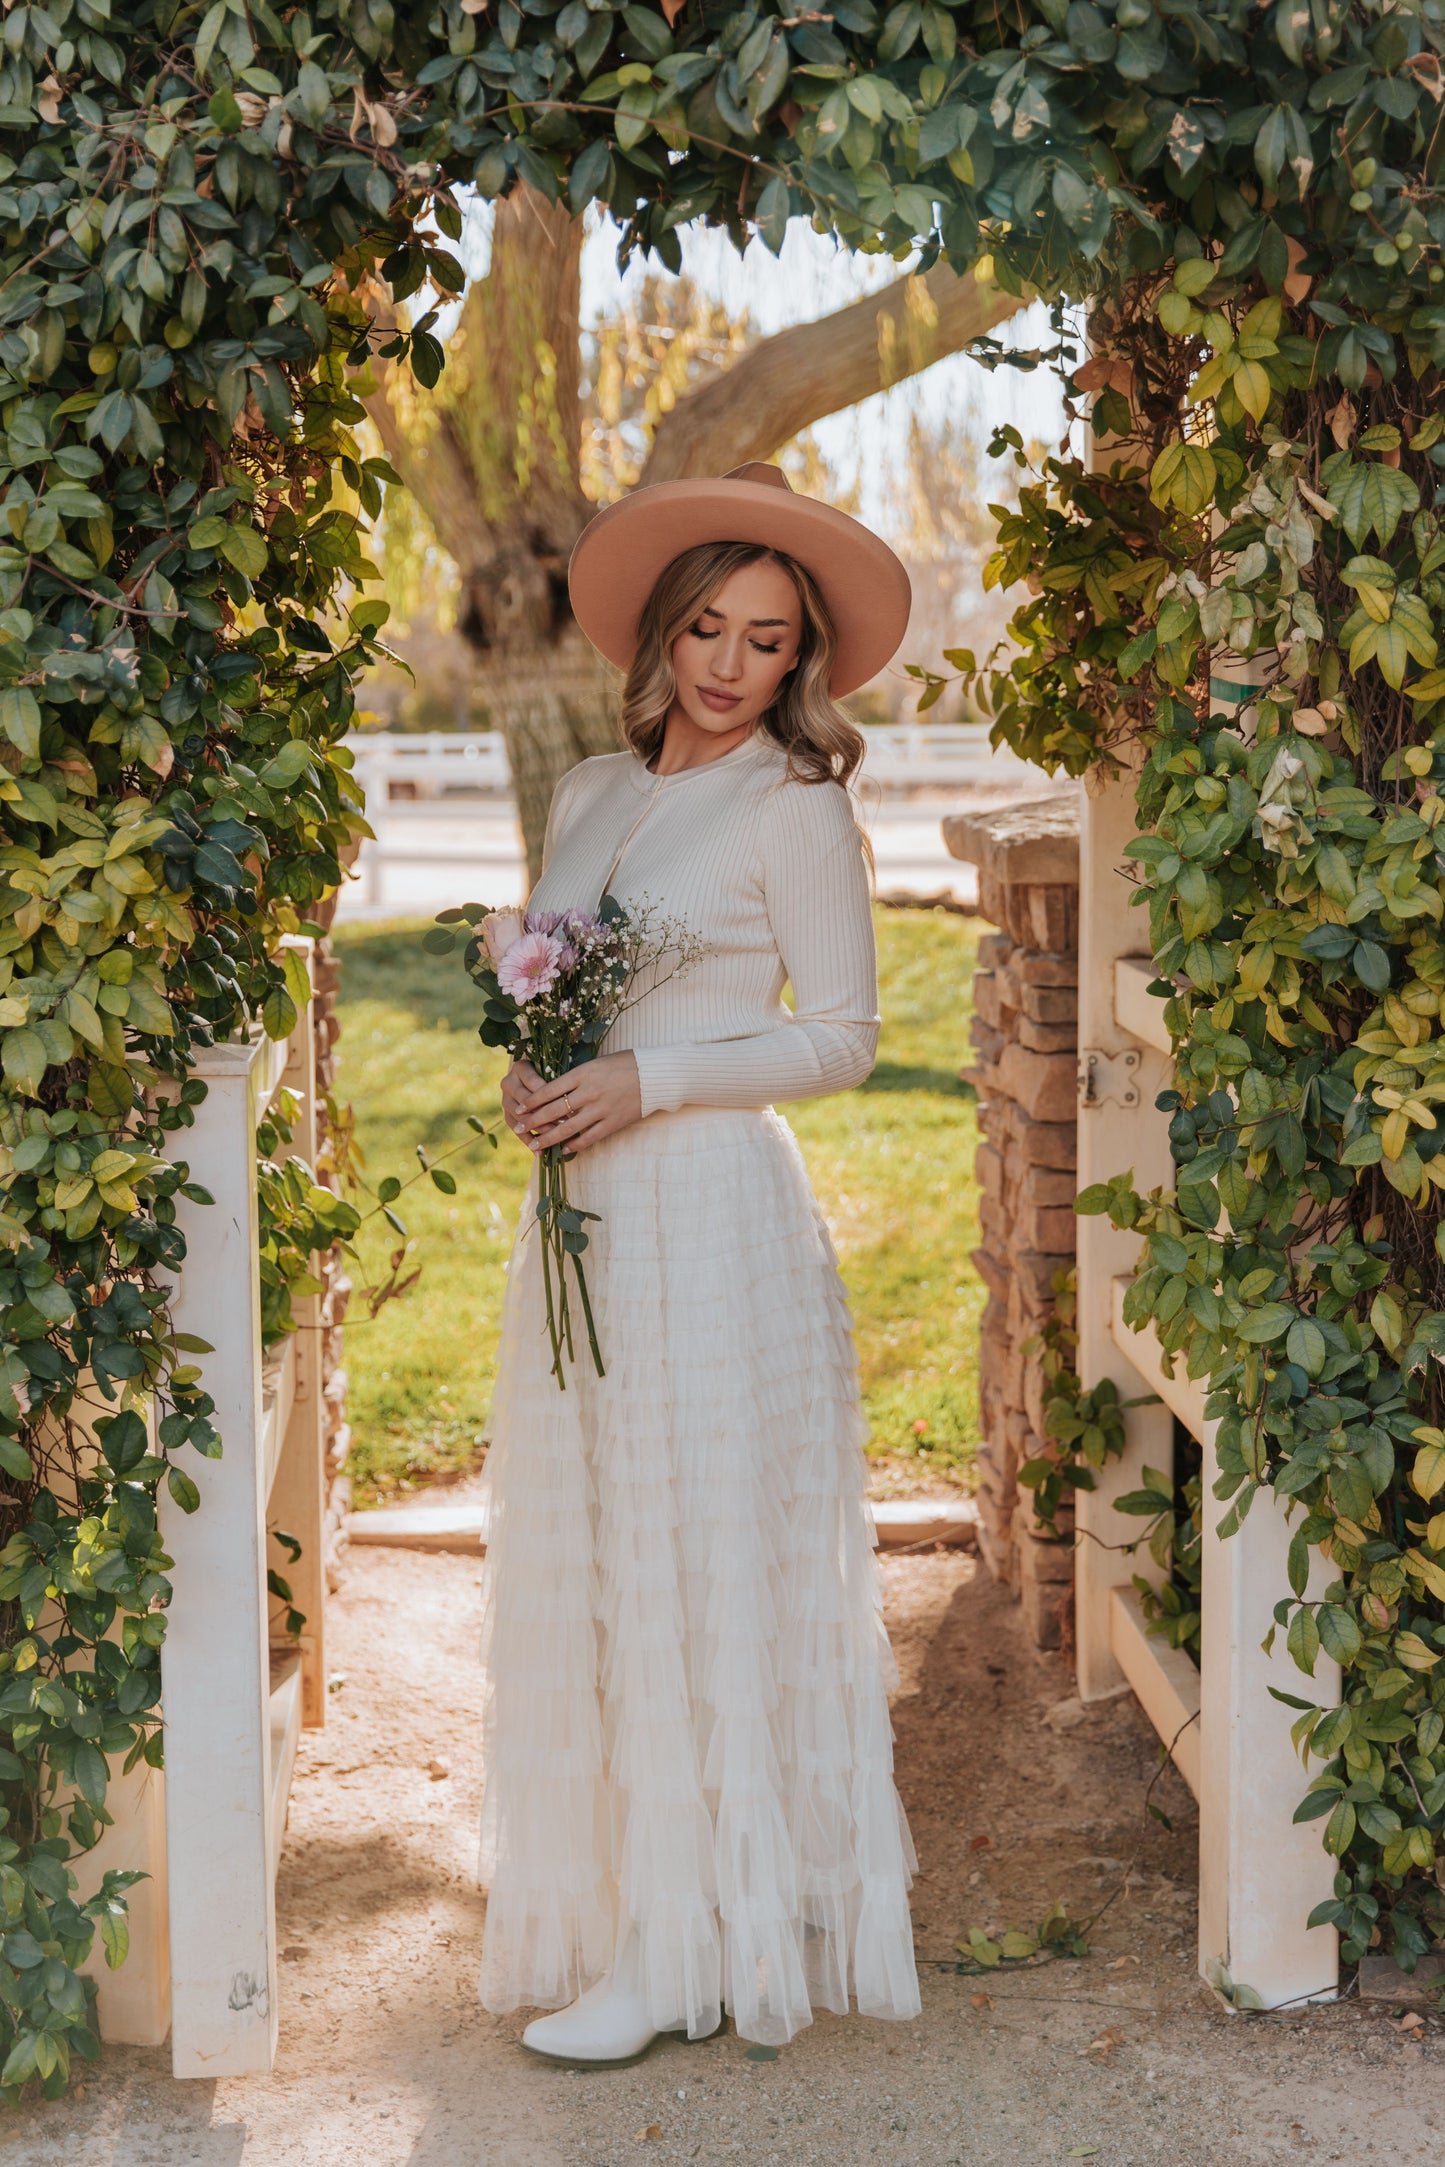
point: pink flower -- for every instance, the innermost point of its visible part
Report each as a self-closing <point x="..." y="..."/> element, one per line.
<point x="500" y="928"/>
<point x="530" y="966"/>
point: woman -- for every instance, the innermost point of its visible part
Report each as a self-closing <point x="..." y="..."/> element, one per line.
<point x="689" y="1799"/>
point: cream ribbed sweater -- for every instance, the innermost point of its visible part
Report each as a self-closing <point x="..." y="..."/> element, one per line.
<point x="769" y="873"/>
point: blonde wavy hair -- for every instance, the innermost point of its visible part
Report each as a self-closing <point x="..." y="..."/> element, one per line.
<point x="821" y="743"/>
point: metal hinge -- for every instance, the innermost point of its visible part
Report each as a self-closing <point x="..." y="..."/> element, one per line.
<point x="1104" y="1076"/>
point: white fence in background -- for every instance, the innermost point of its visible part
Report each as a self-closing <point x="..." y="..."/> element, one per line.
<point x="236" y="1690"/>
<point x="437" y="765"/>
<point x="441" y="806"/>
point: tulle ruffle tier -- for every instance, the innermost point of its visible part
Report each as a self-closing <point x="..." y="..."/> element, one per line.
<point x="687" y="1737"/>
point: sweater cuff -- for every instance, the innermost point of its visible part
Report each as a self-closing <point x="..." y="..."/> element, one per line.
<point x="662" y="1073"/>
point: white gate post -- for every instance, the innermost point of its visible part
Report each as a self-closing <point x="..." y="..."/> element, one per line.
<point x="215" y="1659"/>
<point x="1260" y="1873"/>
<point x="1119" y="1129"/>
<point x="297" y="1501"/>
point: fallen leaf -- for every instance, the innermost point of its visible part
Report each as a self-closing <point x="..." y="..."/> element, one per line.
<point x="1411" y="2021"/>
<point x="646" y="2136"/>
<point x="1104" y="2045"/>
<point x="1083" y="2151"/>
<point x="981" y="1843"/>
<point x="981" y="2001"/>
<point x="1120" y="1961"/>
<point x="761" y="2054"/>
<point x="436" y="1770"/>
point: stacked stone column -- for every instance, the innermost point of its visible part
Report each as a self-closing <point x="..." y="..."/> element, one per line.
<point x="1025" y="1037"/>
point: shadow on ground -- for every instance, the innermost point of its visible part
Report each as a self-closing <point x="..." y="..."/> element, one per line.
<point x="387" y="2061"/>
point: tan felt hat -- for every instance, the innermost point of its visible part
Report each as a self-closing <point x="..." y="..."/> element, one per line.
<point x="622" y="551"/>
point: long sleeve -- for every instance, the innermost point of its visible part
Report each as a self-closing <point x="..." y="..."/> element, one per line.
<point x="815" y="889"/>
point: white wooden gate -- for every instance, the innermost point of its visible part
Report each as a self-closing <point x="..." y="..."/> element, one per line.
<point x="1260" y="1874"/>
<point x="236" y="1690"/>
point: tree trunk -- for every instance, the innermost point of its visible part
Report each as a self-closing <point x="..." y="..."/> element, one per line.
<point x="493" y="461"/>
<point x="492" y="458"/>
<point x="554" y="707"/>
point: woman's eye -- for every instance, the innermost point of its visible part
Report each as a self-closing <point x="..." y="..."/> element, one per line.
<point x="699" y="632"/>
<point x="760" y="649"/>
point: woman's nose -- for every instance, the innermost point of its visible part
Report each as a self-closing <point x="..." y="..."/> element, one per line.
<point x="728" y="660"/>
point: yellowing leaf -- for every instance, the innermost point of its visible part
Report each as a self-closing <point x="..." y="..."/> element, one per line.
<point x="1252" y="389"/>
<point x="1427" y="1476"/>
<point x="1183" y="475"/>
<point x="1395" y="1134"/>
<point x="1426" y="1570"/>
<point x="1412" y="1653"/>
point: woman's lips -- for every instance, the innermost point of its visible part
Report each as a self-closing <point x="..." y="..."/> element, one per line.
<point x="723" y="700"/>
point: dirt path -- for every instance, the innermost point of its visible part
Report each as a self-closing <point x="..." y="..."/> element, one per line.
<point x="387" y="2061"/>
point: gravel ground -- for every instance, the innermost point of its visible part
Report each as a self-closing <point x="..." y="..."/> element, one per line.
<point x="1120" y="2059"/>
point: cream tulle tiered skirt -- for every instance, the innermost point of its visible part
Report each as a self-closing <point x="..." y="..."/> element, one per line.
<point x="687" y="1739"/>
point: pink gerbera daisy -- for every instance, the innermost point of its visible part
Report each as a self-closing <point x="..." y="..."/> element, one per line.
<point x="530" y="966"/>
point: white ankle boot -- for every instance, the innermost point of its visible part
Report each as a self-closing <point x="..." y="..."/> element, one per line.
<point x="609" y="2023"/>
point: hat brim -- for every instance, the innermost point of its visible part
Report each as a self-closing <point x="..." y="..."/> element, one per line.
<point x="624" y="549"/>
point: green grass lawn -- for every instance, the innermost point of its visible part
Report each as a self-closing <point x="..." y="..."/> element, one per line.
<point x="892" y="1165"/>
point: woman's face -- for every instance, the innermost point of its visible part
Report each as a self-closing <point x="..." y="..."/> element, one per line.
<point x="731" y="660"/>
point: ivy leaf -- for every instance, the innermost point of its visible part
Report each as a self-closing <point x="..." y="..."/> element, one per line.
<point x="91" y="1773"/>
<point x="114" y="1936"/>
<point x="1371" y="966"/>
<point x="1427" y="1476"/>
<point x="278" y="1014"/>
<point x="1184" y="476"/>
<point x="294" y="760"/>
<point x="1305" y="1344"/>
<point x="590" y="176"/>
<point x="244" y="548"/>
<point x="298" y="980"/>
<point x="1339" y="1634"/>
<point x="1372" y="498"/>
<point x="15" y="1460"/>
<point x="1269" y="1322"/>
<point x="1304" y="1639"/>
<point x="20" y="719"/>
<point x="1251" y="386"/>
<point x="22" y="1053"/>
<point x="183" y="1490"/>
<point x="772" y="213"/>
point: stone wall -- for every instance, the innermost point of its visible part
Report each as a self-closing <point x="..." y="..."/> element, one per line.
<point x="1025" y="1037"/>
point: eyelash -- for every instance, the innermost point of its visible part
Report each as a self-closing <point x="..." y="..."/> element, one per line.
<point x="757" y="646"/>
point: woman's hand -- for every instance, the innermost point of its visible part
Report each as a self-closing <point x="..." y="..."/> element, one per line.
<point x="520" y="1081"/>
<point x="580" y="1108"/>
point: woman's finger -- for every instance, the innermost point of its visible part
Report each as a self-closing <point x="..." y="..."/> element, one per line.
<point x="546" y="1095"/>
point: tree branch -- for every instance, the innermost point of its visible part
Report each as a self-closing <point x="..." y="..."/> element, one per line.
<point x="798" y="376"/>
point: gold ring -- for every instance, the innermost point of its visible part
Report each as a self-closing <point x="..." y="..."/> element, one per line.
<point x="567" y="1102"/>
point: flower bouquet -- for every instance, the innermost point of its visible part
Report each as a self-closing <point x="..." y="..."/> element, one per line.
<point x="553" y="984"/>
